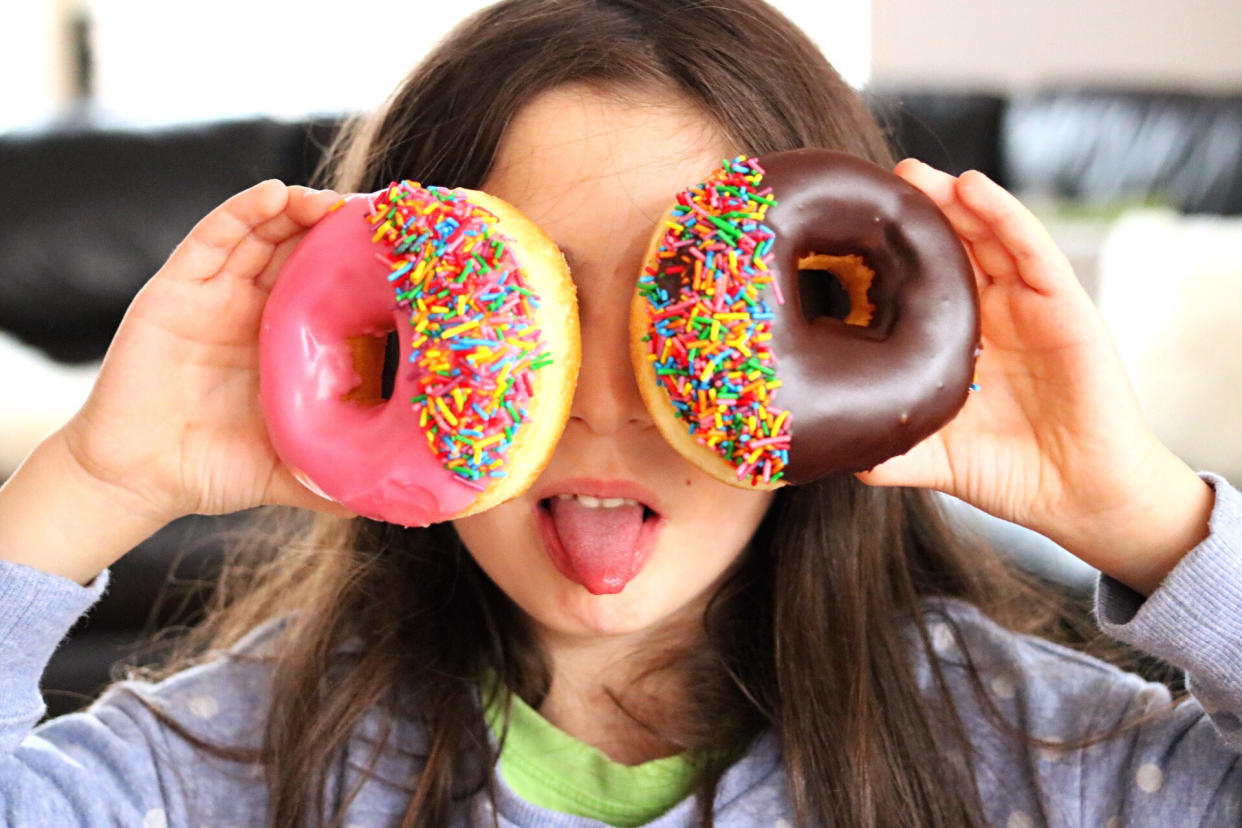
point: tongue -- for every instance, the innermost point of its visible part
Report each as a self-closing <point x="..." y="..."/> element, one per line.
<point x="600" y="544"/>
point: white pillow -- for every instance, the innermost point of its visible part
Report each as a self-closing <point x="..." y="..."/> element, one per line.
<point x="1170" y="289"/>
<point x="41" y="395"/>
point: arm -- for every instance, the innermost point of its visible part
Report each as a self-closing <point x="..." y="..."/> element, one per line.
<point x="172" y="426"/>
<point x="1196" y="629"/>
<point x="105" y="775"/>
<point x="116" y="763"/>
<point x="1055" y="441"/>
<point x="1182" y="765"/>
<point x="1146" y="760"/>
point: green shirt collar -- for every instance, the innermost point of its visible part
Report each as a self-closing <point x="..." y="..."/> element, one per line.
<point x="549" y="768"/>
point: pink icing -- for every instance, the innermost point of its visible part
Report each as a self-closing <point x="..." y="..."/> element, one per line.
<point x="373" y="459"/>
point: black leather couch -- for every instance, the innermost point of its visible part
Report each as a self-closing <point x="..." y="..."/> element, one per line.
<point x="87" y="213"/>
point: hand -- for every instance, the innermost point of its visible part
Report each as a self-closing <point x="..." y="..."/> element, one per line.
<point x="1054" y="440"/>
<point x="172" y="425"/>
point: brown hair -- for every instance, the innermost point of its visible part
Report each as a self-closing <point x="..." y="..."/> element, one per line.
<point x="808" y="636"/>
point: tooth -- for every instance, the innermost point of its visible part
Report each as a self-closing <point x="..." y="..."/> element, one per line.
<point x="588" y="501"/>
<point x="613" y="502"/>
<point x="563" y="496"/>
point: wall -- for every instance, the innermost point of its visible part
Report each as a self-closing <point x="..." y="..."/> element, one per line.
<point x="35" y="61"/>
<point x="1020" y="45"/>
<point x="320" y="59"/>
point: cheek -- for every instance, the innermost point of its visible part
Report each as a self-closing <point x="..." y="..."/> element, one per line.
<point x="498" y="540"/>
<point x="717" y="518"/>
<point x="483" y="532"/>
<point x="505" y="542"/>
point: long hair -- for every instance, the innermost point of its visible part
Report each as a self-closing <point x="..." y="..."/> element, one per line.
<point x="808" y="637"/>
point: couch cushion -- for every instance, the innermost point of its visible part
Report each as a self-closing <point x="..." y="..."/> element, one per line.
<point x="1104" y="146"/>
<point x="89" y="214"/>
<point x="1170" y="290"/>
<point x="952" y="131"/>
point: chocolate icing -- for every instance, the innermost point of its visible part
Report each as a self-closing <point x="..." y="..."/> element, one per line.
<point x="858" y="396"/>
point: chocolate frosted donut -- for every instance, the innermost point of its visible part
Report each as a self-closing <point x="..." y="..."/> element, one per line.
<point x="803" y="314"/>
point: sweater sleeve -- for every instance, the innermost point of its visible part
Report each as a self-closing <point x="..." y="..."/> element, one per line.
<point x="36" y="611"/>
<point x="104" y="779"/>
<point x="1061" y="738"/>
<point x="1194" y="620"/>
<point x="109" y="765"/>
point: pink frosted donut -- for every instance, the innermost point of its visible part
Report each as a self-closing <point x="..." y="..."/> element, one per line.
<point x="486" y="317"/>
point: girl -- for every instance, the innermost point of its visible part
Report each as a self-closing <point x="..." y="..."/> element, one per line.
<point x="827" y="655"/>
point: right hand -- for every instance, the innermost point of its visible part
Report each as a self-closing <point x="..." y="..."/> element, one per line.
<point x="173" y="424"/>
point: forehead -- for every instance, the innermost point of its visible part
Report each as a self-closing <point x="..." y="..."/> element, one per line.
<point x="577" y="159"/>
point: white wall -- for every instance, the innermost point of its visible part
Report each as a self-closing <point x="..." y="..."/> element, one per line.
<point x="1007" y="45"/>
<point x="35" y="65"/>
<point x="157" y="60"/>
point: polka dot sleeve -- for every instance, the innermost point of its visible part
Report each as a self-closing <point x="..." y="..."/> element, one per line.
<point x="1194" y="620"/>
<point x="1108" y="748"/>
<point x="115" y="763"/>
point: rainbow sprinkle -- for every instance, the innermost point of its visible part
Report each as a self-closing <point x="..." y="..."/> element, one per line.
<point x="476" y="345"/>
<point x="709" y="333"/>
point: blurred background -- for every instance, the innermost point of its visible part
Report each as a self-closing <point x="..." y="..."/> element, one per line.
<point x="123" y="121"/>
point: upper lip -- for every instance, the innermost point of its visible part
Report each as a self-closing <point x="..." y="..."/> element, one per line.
<point x="602" y="489"/>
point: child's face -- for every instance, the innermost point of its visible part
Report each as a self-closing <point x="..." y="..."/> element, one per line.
<point x="596" y="172"/>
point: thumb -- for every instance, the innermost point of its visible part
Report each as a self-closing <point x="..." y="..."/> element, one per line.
<point x="924" y="466"/>
<point x="288" y="490"/>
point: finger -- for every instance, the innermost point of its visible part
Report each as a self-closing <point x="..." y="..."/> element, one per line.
<point x="941" y="188"/>
<point x="304" y="208"/>
<point x="286" y="490"/>
<point x="992" y="259"/>
<point x="995" y="258"/>
<point x="1038" y="260"/>
<point x="207" y="247"/>
<point x="266" y="279"/>
<point x="307" y="206"/>
<point x="251" y="257"/>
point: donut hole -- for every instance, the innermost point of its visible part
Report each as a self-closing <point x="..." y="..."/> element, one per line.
<point x="392" y="358"/>
<point x="822" y="294"/>
<point x="375" y="361"/>
<point x="835" y="287"/>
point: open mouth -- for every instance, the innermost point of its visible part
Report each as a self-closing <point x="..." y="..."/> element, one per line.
<point x="598" y="542"/>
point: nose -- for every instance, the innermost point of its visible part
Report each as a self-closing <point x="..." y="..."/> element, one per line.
<point x="607" y="399"/>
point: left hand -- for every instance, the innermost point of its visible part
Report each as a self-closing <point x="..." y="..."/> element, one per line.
<point x="1054" y="440"/>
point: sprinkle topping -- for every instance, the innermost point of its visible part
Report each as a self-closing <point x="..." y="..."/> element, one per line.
<point x="476" y="345"/>
<point x="710" y="323"/>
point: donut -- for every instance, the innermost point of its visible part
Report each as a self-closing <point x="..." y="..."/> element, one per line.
<point x="802" y="314"/>
<point x="485" y="316"/>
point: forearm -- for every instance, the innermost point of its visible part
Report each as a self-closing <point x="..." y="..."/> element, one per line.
<point x="1142" y="541"/>
<point x="55" y="517"/>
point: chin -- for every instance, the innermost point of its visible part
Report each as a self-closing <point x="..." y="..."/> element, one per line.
<point x="570" y="609"/>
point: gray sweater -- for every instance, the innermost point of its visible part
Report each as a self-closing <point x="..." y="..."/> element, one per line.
<point x="115" y="764"/>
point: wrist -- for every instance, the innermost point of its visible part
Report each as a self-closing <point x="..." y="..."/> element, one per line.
<point x="56" y="516"/>
<point x="1141" y="542"/>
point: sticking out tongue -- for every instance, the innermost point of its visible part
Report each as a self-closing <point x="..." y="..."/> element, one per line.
<point x="600" y="547"/>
